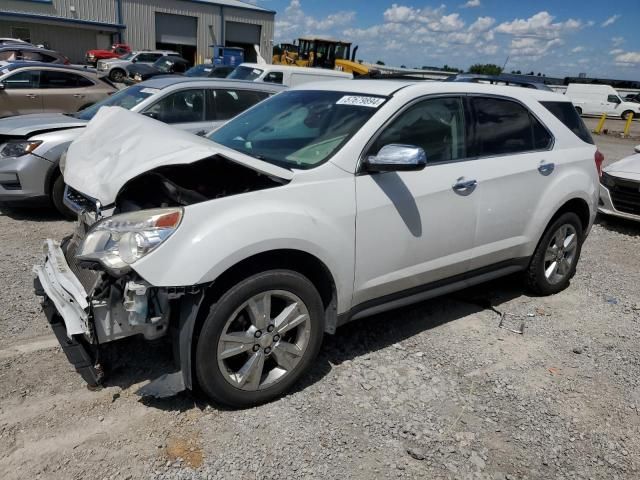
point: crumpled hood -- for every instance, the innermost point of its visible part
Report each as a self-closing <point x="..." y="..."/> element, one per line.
<point x="25" y="125"/>
<point x="628" y="167"/>
<point x="118" y="145"/>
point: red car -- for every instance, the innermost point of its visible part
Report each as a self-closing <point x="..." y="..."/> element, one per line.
<point x="117" y="50"/>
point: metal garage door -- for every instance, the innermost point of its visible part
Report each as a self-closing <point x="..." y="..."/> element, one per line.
<point x="176" y="29"/>
<point x="242" y="33"/>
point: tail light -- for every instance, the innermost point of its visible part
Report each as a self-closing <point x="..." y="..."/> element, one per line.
<point x="599" y="158"/>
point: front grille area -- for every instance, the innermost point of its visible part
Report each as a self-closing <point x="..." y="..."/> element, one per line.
<point x="625" y="194"/>
<point x="88" y="278"/>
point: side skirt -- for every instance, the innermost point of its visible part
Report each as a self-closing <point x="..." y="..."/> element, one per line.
<point x="432" y="290"/>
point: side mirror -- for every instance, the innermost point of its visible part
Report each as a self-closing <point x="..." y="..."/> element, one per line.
<point x="2" y="86"/>
<point x="134" y="60"/>
<point x="637" y="149"/>
<point x="394" y="157"/>
<point x="150" y="115"/>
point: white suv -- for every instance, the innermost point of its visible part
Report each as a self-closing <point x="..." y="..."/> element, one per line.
<point x="116" y="68"/>
<point x="318" y="206"/>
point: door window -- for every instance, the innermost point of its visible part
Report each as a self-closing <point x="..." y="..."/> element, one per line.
<point x="273" y="77"/>
<point x="26" y="79"/>
<point x="230" y="103"/>
<point x="185" y="106"/>
<point x="148" y="57"/>
<point x="436" y="125"/>
<point x="504" y="126"/>
<point x="54" y="79"/>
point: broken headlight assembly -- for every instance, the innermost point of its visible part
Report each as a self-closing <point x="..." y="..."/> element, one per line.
<point x="121" y="240"/>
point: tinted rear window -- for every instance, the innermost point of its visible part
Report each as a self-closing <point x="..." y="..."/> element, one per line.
<point x="503" y="127"/>
<point x="567" y="114"/>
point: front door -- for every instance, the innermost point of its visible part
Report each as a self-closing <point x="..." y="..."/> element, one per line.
<point x="63" y="91"/>
<point x="416" y="228"/>
<point x="20" y="94"/>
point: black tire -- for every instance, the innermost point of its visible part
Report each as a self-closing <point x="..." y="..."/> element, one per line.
<point x="535" y="276"/>
<point x="626" y="114"/>
<point x="117" y="75"/>
<point x="579" y="110"/>
<point x="210" y="378"/>
<point x="57" y="196"/>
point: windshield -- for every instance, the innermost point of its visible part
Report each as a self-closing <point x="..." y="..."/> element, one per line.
<point x="298" y="129"/>
<point x="199" y="71"/>
<point x="127" y="98"/>
<point x="245" y="73"/>
<point x="163" y="64"/>
<point x="126" y="56"/>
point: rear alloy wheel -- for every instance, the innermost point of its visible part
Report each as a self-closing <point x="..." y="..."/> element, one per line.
<point x="116" y="75"/>
<point x="555" y="259"/>
<point x="627" y="113"/>
<point x="259" y="338"/>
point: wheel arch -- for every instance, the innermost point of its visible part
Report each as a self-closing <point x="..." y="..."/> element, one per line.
<point x="576" y="205"/>
<point x="297" y="260"/>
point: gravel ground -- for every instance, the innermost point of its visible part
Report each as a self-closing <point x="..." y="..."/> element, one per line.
<point x="437" y="390"/>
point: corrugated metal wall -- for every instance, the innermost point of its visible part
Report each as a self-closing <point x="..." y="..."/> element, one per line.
<point x="71" y="41"/>
<point x="139" y="16"/>
<point x="93" y="10"/>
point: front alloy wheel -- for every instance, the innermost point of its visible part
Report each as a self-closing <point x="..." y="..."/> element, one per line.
<point x="264" y="340"/>
<point x="259" y="338"/>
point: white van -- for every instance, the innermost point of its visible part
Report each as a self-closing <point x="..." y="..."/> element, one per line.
<point x="598" y="99"/>
<point x="284" y="74"/>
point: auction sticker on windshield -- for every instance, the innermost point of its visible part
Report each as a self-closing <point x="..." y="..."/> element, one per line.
<point x="360" y="101"/>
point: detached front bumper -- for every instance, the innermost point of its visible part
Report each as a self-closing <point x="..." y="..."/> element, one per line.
<point x="67" y="310"/>
<point x="23" y="179"/>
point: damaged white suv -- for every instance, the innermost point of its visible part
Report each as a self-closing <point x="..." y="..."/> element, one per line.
<point x="321" y="205"/>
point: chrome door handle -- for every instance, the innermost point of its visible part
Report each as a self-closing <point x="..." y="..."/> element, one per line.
<point x="546" y="168"/>
<point x="464" y="187"/>
<point x="31" y="95"/>
<point x="78" y="95"/>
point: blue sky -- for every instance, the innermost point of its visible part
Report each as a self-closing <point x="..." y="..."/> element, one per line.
<point x="557" y="37"/>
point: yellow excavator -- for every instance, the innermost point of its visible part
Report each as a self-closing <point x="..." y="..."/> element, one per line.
<point x="320" y="52"/>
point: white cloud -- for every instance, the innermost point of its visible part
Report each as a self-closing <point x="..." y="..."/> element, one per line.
<point x="472" y="4"/>
<point x="539" y="25"/>
<point x="533" y="47"/>
<point x="577" y="50"/>
<point x="629" y="58"/>
<point x="482" y="24"/>
<point x="296" y="22"/>
<point x="611" y="20"/>
<point x="616" y="51"/>
<point x="617" y="41"/>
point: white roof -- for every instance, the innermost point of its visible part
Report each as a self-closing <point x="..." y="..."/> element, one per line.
<point x="289" y="68"/>
<point x="421" y="87"/>
<point x="237" y="3"/>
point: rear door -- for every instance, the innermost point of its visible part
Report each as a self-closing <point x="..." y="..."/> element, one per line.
<point x="63" y="91"/>
<point x="515" y="162"/>
<point x="20" y="94"/>
<point x="229" y="102"/>
<point x="184" y="109"/>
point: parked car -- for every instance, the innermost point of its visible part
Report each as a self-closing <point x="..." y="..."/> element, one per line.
<point x="169" y="65"/>
<point x="284" y="75"/>
<point x="620" y="188"/>
<point x="12" y="41"/>
<point x="31" y="146"/>
<point x="116" y="68"/>
<point x="117" y="50"/>
<point x="209" y="70"/>
<point x="25" y="52"/>
<point x="33" y="87"/>
<point x="591" y="99"/>
<point x="320" y="205"/>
